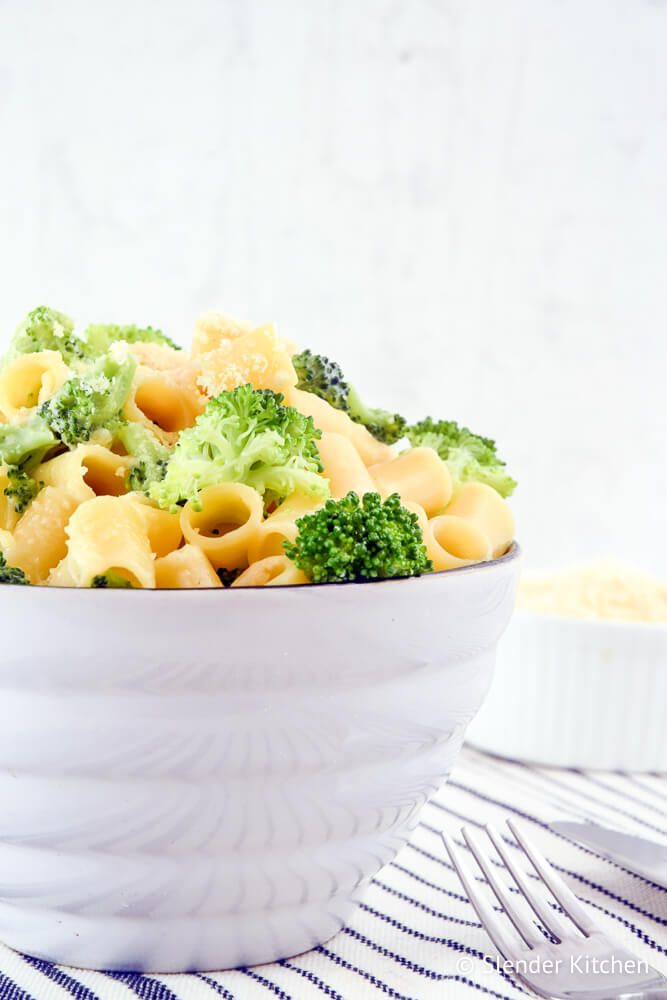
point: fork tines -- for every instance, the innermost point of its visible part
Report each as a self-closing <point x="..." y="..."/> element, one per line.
<point x="569" y="956"/>
<point x="548" y="916"/>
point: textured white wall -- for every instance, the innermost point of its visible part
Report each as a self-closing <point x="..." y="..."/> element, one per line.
<point x="463" y="201"/>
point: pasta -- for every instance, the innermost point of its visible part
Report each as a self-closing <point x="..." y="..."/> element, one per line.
<point x="258" y="357"/>
<point x="128" y="462"/>
<point x="29" y="380"/>
<point x="417" y="475"/>
<point x="162" y="403"/>
<point x="480" y="506"/>
<point x="213" y="329"/>
<point x="108" y="536"/>
<point x="279" y="527"/>
<point x="6" y="544"/>
<point x="158" y="357"/>
<point x="185" y="568"/>
<point x="272" y="571"/>
<point x="455" y="541"/>
<point x="343" y="466"/>
<point x="88" y="471"/>
<point x="8" y="513"/>
<point x="163" y="528"/>
<point x="225" y="525"/>
<point x="40" y="539"/>
<point x="327" y="418"/>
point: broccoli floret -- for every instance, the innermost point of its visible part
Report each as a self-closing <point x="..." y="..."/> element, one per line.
<point x="11" y="574"/>
<point x="244" y="436"/>
<point x="111" y="579"/>
<point x="324" y="378"/>
<point x="383" y="425"/>
<point x="46" y="329"/>
<point x="470" y="457"/>
<point x="21" y="488"/>
<point x="150" y="455"/>
<point x="100" y="336"/>
<point x="27" y="443"/>
<point x="88" y="402"/>
<point x="352" y="539"/>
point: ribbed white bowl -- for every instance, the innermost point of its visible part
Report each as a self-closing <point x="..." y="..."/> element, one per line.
<point x="578" y="694"/>
<point x="197" y="780"/>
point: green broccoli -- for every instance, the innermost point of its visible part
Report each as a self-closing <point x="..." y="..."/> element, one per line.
<point x="325" y="379"/>
<point x="111" y="579"/>
<point x="21" y="488"/>
<point x="150" y="455"/>
<point x="46" y="329"/>
<point x="244" y="436"/>
<point x="352" y="539"/>
<point x="99" y="337"/>
<point x="470" y="457"/>
<point x="11" y="574"/>
<point x="27" y="443"/>
<point x="322" y="377"/>
<point x="90" y="401"/>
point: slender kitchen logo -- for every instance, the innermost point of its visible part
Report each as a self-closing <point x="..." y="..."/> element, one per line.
<point x="584" y="965"/>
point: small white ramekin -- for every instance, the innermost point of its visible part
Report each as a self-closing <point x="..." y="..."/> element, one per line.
<point x="590" y="694"/>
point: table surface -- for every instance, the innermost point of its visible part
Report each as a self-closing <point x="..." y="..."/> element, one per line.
<point x="415" y="936"/>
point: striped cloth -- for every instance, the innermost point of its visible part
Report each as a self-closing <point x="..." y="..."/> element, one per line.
<point x="415" y="936"/>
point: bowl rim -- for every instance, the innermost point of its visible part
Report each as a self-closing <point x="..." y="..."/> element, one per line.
<point x="513" y="553"/>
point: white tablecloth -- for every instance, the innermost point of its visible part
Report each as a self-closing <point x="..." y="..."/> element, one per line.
<point x="415" y="935"/>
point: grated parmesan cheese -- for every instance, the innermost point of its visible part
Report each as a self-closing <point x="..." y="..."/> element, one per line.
<point x="602" y="590"/>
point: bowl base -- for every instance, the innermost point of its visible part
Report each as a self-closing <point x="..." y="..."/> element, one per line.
<point x="173" y="946"/>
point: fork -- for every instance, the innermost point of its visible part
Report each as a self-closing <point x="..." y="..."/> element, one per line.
<point x="577" y="961"/>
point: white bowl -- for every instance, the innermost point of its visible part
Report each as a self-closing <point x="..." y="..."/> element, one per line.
<point x="197" y="780"/>
<point x="590" y="694"/>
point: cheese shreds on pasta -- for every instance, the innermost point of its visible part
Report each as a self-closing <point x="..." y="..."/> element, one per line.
<point x="602" y="590"/>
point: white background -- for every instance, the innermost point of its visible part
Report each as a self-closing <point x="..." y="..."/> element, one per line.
<point x="464" y="202"/>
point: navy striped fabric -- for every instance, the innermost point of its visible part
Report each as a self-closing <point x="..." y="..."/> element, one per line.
<point x="415" y="935"/>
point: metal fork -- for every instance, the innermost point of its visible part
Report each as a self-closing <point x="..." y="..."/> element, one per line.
<point x="578" y="961"/>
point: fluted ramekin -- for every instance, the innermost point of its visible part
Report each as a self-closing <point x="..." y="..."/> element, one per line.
<point x="575" y="693"/>
<point x="200" y="779"/>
